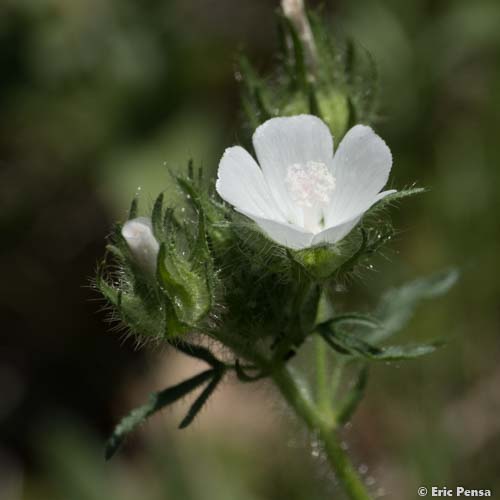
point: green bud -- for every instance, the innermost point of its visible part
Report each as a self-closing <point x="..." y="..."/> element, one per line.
<point x="334" y="110"/>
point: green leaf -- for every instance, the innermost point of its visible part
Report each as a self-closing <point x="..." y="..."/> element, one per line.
<point x="157" y="401"/>
<point x="348" y="405"/>
<point x="398" y="304"/>
<point x="350" y="344"/>
<point x="197" y="351"/>
<point x="202" y="398"/>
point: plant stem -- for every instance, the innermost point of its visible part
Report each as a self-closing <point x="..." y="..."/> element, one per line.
<point x="323" y="394"/>
<point x="306" y="410"/>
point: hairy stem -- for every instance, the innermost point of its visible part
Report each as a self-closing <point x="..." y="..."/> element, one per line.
<point x="307" y="411"/>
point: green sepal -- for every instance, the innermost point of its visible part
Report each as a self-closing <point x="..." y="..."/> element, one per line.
<point x="370" y="242"/>
<point x="110" y="293"/>
<point x="300" y="72"/>
<point x="394" y="198"/>
<point x="157" y="218"/>
<point x="157" y="401"/>
<point x="134" y="209"/>
<point x="186" y="290"/>
<point x="257" y="108"/>
<point x="320" y="262"/>
<point x="116" y="252"/>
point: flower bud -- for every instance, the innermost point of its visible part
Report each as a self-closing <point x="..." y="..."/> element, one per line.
<point x="143" y="246"/>
<point x="295" y="11"/>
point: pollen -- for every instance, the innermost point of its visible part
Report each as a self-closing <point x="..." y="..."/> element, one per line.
<point x="311" y="184"/>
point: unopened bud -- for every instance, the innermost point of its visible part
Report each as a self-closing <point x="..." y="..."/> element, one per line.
<point x="138" y="234"/>
<point x="295" y="11"/>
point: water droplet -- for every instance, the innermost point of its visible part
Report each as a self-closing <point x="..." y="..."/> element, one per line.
<point x="363" y="469"/>
<point x="344" y="445"/>
<point x="380" y="493"/>
<point x="370" y="481"/>
<point x="315" y="448"/>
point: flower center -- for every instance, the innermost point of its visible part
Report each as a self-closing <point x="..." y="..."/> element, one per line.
<point x="310" y="185"/>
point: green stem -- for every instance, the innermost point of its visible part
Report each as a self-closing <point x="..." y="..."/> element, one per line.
<point x="323" y="394"/>
<point x="305" y="409"/>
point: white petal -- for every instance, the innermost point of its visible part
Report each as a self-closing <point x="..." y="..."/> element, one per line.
<point x="241" y="183"/>
<point x="361" y="167"/>
<point x="284" y="141"/>
<point x="337" y="232"/>
<point x="285" y="234"/>
<point x="139" y="236"/>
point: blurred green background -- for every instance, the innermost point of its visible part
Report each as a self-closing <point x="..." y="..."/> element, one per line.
<point x="95" y="99"/>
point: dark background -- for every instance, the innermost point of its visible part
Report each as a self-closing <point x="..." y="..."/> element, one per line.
<point x="95" y="98"/>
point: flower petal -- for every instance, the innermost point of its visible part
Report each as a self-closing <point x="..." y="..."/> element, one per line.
<point x="284" y="141"/>
<point x="285" y="234"/>
<point x="240" y="182"/>
<point x="337" y="232"/>
<point x="361" y="167"/>
<point x="138" y="234"/>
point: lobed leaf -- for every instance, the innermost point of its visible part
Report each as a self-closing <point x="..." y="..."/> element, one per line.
<point x="350" y="344"/>
<point x="157" y="401"/>
<point x="197" y="351"/>
<point x="202" y="398"/>
<point x="397" y="305"/>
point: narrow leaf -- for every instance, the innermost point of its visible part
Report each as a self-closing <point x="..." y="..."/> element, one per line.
<point x="197" y="351"/>
<point x="202" y="398"/>
<point x="157" y="401"/>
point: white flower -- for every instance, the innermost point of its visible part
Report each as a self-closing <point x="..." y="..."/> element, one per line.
<point x="303" y="195"/>
<point x="138" y="234"/>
